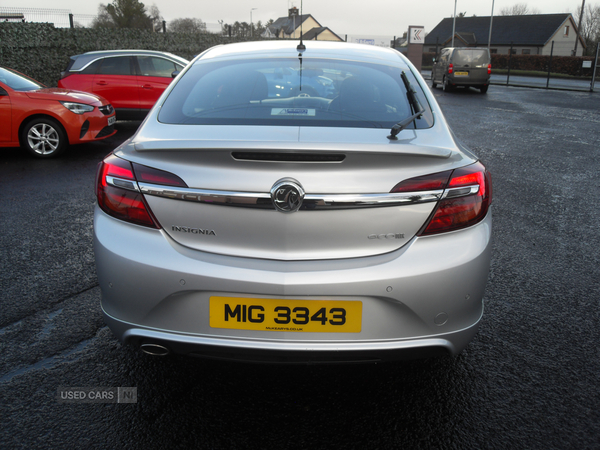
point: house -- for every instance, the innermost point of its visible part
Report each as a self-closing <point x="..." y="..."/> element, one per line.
<point x="297" y="25"/>
<point x="320" y="34"/>
<point x="528" y="34"/>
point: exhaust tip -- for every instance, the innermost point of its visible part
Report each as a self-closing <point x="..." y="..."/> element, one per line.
<point x="154" y="349"/>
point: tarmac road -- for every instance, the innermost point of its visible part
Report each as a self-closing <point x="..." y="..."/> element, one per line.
<point x="530" y="379"/>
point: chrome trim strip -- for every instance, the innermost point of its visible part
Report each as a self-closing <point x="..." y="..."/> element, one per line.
<point x="370" y="200"/>
<point x="122" y="183"/>
<point x="311" y="201"/>
<point x="462" y="191"/>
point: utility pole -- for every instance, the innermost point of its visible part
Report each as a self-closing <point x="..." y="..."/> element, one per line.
<point x="491" y="21"/>
<point x="579" y="27"/>
<point x="251" y="23"/>
<point x="454" y="23"/>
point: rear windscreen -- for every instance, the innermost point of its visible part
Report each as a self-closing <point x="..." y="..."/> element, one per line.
<point x="292" y="92"/>
<point x="472" y="58"/>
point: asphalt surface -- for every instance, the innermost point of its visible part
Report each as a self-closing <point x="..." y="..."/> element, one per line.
<point x="529" y="380"/>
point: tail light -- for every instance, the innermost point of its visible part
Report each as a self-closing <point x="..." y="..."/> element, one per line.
<point x="489" y="69"/>
<point x="118" y="193"/>
<point x="450" y="68"/>
<point x="465" y="201"/>
<point x="431" y="182"/>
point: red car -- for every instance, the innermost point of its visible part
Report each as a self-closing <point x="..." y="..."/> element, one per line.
<point x="45" y="120"/>
<point x="131" y="80"/>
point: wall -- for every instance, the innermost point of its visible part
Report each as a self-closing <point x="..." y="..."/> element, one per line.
<point x="307" y="25"/>
<point x="327" y="35"/>
<point x="564" y="45"/>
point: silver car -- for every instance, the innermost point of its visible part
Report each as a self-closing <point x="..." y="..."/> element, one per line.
<point x="244" y="221"/>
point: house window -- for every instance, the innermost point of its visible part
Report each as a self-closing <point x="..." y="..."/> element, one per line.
<point x="493" y="50"/>
<point x="432" y="50"/>
<point x="566" y="32"/>
<point x="513" y="51"/>
<point x="526" y="51"/>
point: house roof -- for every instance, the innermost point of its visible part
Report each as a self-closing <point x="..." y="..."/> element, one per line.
<point x="316" y="31"/>
<point x="467" y="38"/>
<point x="535" y="30"/>
<point x="287" y="23"/>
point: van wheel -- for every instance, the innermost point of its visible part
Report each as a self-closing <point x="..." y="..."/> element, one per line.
<point x="43" y="138"/>
<point x="445" y="85"/>
<point x="433" y="83"/>
<point x="483" y="89"/>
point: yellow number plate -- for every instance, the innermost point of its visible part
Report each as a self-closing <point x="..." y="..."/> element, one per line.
<point x="461" y="74"/>
<point x="267" y="314"/>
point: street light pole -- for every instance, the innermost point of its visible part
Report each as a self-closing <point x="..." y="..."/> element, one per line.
<point x="579" y="27"/>
<point x="251" y="23"/>
<point x="454" y="23"/>
<point x="491" y="21"/>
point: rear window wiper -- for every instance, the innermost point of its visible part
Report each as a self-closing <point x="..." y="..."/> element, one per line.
<point x="415" y="107"/>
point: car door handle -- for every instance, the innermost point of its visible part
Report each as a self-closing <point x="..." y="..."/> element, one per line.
<point x="147" y="86"/>
<point x="102" y="83"/>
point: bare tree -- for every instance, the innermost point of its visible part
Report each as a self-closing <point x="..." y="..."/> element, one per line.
<point x="590" y="26"/>
<point x="155" y="17"/>
<point x="187" y="25"/>
<point x="518" y="9"/>
<point x="103" y="19"/>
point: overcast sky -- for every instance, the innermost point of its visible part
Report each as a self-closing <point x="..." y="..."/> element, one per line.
<point x="366" y="17"/>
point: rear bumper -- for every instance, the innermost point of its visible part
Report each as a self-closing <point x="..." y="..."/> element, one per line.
<point x="293" y="352"/>
<point x="466" y="81"/>
<point x="155" y="291"/>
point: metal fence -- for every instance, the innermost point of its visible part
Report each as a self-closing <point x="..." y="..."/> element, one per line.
<point x="59" y="17"/>
<point x="64" y="18"/>
<point x="554" y="82"/>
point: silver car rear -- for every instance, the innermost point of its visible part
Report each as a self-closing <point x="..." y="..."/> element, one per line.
<point x="262" y="212"/>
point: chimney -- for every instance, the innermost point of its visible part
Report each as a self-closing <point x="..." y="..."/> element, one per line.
<point x="293" y="11"/>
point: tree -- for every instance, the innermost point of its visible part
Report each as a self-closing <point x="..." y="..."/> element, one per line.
<point x="240" y="29"/>
<point x="102" y="19"/>
<point x="155" y="17"/>
<point x="244" y="29"/>
<point x="187" y="26"/>
<point x="124" y="14"/>
<point x="590" y="26"/>
<point x="518" y="9"/>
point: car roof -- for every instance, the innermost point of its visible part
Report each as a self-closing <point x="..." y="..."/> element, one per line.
<point x="316" y="49"/>
<point x="83" y="60"/>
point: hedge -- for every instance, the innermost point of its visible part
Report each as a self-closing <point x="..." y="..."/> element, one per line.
<point x="42" y="51"/>
<point x="567" y="65"/>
